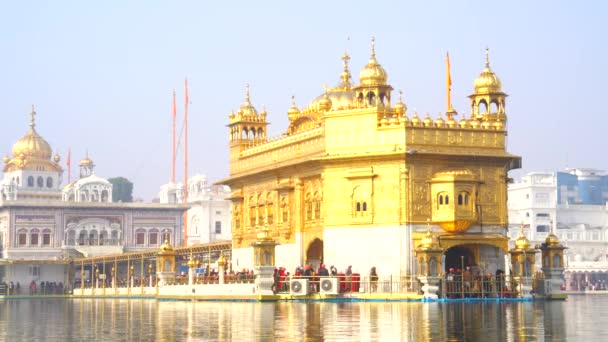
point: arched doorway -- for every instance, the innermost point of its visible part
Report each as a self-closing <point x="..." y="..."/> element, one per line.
<point x="458" y="257"/>
<point x="314" y="253"/>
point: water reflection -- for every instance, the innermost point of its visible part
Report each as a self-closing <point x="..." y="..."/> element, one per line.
<point x="147" y="320"/>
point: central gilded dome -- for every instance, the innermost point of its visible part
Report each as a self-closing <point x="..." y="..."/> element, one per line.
<point x="32" y="145"/>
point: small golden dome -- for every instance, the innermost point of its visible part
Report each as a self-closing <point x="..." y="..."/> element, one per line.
<point x="400" y="107"/>
<point x="486" y="124"/>
<point x="415" y="119"/>
<point x="439" y="122"/>
<point x="6" y="159"/>
<point x="552" y="239"/>
<point x="373" y="73"/>
<point x="247" y="109"/>
<point x="56" y="158"/>
<point x="462" y="123"/>
<point x="474" y="123"/>
<point x="293" y="111"/>
<point x="451" y="122"/>
<point x="86" y="162"/>
<point x="521" y="242"/>
<point x="384" y="121"/>
<point x="499" y="125"/>
<point x="165" y="248"/>
<point x="325" y="103"/>
<point x="427" y="122"/>
<point x="487" y="82"/>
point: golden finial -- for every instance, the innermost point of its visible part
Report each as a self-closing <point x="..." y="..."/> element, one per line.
<point x="247" y="97"/>
<point x="373" y="47"/>
<point x="487" y="57"/>
<point x="33" y="119"/>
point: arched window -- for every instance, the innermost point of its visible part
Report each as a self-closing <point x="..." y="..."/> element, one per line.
<point x="103" y="237"/>
<point x="82" y="238"/>
<point x="153" y="237"/>
<point x="364" y="206"/>
<point x="308" y="206"/>
<point x="317" y="206"/>
<point x="22" y="238"/>
<point x="284" y="211"/>
<point x="115" y="237"/>
<point x="269" y="209"/>
<point x="358" y="206"/>
<point x="46" y="237"/>
<point x="261" y="210"/>
<point x="93" y="238"/>
<point x="252" y="212"/>
<point x="440" y="199"/>
<point x="482" y="107"/>
<point x="30" y="181"/>
<point x="34" y="234"/>
<point x="104" y="196"/>
<point x="40" y="182"/>
<point x="463" y="198"/>
<point x="140" y="237"/>
<point x="49" y="182"/>
<point x="557" y="261"/>
<point x="493" y="107"/>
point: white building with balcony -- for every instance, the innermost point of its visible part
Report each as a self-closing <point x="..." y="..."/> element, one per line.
<point x="574" y="203"/>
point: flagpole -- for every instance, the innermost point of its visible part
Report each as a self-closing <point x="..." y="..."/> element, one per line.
<point x="448" y="82"/>
<point x="173" y="140"/>
<point x="186" y="162"/>
<point x="69" y="164"/>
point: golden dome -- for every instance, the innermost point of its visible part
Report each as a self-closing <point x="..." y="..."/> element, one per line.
<point x="165" y="248"/>
<point x="415" y="119"/>
<point x="373" y="73"/>
<point x="439" y="122"/>
<point x="325" y="103"/>
<point x="474" y="123"/>
<point x="487" y="82"/>
<point x="56" y="158"/>
<point x="521" y="242"/>
<point x="552" y="239"/>
<point x="400" y="107"/>
<point x="32" y="145"/>
<point x="86" y="162"/>
<point x="427" y="122"/>
<point x="451" y="122"/>
<point x="293" y="111"/>
<point x="247" y="109"/>
<point x="499" y="125"/>
<point x="462" y="123"/>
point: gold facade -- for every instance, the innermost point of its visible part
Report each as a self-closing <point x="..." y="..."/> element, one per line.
<point x="354" y="159"/>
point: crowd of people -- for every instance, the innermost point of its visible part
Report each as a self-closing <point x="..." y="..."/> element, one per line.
<point x="349" y="280"/>
<point x="34" y="288"/>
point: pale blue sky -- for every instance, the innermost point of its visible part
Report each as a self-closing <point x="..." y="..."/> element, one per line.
<point x="101" y="74"/>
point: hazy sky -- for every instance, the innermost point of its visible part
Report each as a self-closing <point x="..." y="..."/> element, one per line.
<point x="101" y="73"/>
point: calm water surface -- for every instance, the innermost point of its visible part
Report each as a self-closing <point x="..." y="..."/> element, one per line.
<point x="580" y="318"/>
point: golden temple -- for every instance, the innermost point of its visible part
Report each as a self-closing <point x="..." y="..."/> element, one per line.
<point x="355" y="178"/>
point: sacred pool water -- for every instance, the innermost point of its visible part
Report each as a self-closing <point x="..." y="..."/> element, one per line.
<point x="577" y="319"/>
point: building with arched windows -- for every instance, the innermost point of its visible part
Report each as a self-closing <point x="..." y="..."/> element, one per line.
<point x="44" y="225"/>
<point x="355" y="180"/>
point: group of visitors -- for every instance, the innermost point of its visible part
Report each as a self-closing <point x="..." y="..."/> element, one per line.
<point x="282" y="278"/>
<point x="472" y="283"/>
<point x="34" y="288"/>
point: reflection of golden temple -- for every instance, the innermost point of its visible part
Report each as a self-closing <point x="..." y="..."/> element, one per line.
<point x="353" y="179"/>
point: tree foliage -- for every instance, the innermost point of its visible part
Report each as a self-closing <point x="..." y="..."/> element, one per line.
<point x="122" y="189"/>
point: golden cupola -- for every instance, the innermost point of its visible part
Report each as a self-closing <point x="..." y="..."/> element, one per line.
<point x="293" y="112"/>
<point x="488" y="99"/>
<point x="338" y="98"/>
<point x="373" y="73"/>
<point x="373" y="90"/>
<point x="32" y="152"/>
<point x="522" y="242"/>
<point x="400" y="107"/>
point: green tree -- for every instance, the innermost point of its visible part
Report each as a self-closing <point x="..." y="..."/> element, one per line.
<point x="122" y="189"/>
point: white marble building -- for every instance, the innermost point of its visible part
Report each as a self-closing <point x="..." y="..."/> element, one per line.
<point x="44" y="226"/>
<point x="573" y="203"/>
<point x="209" y="216"/>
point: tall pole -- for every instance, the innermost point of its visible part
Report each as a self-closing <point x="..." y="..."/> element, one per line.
<point x="448" y="83"/>
<point x="173" y="140"/>
<point x="186" y="163"/>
